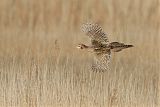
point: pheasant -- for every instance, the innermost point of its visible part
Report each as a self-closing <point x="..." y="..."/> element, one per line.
<point x="100" y="46"/>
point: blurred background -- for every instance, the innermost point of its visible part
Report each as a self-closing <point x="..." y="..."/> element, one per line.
<point x="39" y="64"/>
<point x="134" y="21"/>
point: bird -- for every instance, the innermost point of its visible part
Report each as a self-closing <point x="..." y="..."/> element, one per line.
<point x="100" y="46"/>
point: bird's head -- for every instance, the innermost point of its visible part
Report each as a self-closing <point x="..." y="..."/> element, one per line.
<point x="82" y="46"/>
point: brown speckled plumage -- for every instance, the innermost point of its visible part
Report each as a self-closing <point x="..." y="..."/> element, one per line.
<point x="100" y="46"/>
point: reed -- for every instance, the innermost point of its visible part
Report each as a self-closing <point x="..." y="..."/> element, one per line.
<point x="40" y="65"/>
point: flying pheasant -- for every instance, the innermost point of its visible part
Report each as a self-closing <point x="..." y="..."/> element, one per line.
<point x="101" y="46"/>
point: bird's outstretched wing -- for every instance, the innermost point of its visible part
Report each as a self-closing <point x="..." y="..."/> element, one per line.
<point x="102" y="62"/>
<point x="95" y="32"/>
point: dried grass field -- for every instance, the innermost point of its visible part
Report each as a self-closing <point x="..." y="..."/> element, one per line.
<point x="40" y="66"/>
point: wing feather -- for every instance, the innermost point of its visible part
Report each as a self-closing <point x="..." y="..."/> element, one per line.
<point x="95" y="32"/>
<point x="102" y="62"/>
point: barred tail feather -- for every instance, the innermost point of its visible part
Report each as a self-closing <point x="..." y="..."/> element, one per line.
<point x="128" y="46"/>
<point x="119" y="48"/>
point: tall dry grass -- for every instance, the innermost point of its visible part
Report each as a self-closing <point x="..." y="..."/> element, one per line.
<point x="39" y="65"/>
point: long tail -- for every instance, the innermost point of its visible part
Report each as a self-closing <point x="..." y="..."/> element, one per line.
<point x="119" y="48"/>
<point x="127" y="46"/>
